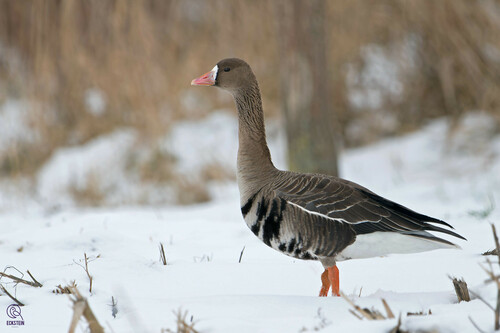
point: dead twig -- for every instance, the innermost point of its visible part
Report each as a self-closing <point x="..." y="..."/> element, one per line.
<point x="87" y="271"/>
<point x="81" y="308"/>
<point x="367" y="313"/>
<point x="78" y="308"/>
<point x="482" y="300"/>
<point x="421" y="313"/>
<point x="374" y="314"/>
<point x="388" y="310"/>
<point x="205" y="257"/>
<point x="61" y="290"/>
<point x="114" y="307"/>
<point x="11" y="297"/>
<point x="356" y="307"/>
<point x="492" y="278"/>
<point x="475" y="325"/>
<point x="323" y="323"/>
<point x="35" y="283"/>
<point x="182" y="325"/>
<point x="86" y="268"/>
<point x="64" y="290"/>
<point x="490" y="273"/>
<point x="461" y="289"/>
<point x="497" y="247"/>
<point x="497" y="244"/>
<point x="397" y="328"/>
<point x="241" y="255"/>
<point x="490" y="253"/>
<point x="355" y="314"/>
<point x="163" y="258"/>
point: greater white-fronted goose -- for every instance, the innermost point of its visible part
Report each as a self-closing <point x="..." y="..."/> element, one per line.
<point x="313" y="216"/>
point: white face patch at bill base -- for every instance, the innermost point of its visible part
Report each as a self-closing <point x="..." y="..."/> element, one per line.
<point x="214" y="71"/>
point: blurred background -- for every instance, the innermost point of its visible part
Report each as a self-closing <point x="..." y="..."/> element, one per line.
<point x="96" y="106"/>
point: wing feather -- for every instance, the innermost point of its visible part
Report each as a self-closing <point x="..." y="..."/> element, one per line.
<point x="365" y="211"/>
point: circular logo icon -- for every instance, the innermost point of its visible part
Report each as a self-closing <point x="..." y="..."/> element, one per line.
<point x="14" y="311"/>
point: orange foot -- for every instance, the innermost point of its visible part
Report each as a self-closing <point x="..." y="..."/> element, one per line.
<point x="330" y="277"/>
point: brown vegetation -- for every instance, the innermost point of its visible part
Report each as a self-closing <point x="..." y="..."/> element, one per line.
<point x="184" y="325"/>
<point x="461" y="290"/>
<point x="139" y="57"/>
<point x="492" y="278"/>
<point x="16" y="280"/>
<point x="81" y="308"/>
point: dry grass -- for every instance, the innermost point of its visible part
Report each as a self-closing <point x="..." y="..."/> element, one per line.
<point x="90" y="194"/>
<point x="163" y="258"/>
<point x="136" y="53"/>
<point x="81" y="308"/>
<point x="458" y="71"/>
<point x="184" y="325"/>
<point x="491" y="253"/>
<point x="68" y="289"/>
<point x="457" y="61"/>
<point x="33" y="283"/>
<point x="16" y="280"/>
<point x="323" y="322"/>
<point x="85" y="265"/>
<point x="158" y="168"/>
<point x="190" y="191"/>
<point x="461" y="289"/>
<point x="420" y="313"/>
<point x="217" y="172"/>
<point x="369" y="314"/>
<point x="141" y="56"/>
<point x="6" y="292"/>
<point x="492" y="278"/>
<point x="374" y="314"/>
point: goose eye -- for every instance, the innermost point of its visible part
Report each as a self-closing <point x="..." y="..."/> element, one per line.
<point x="227" y="69"/>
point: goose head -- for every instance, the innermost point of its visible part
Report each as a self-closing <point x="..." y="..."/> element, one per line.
<point x="230" y="74"/>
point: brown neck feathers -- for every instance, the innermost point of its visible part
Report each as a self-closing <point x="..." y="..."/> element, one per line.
<point x="254" y="157"/>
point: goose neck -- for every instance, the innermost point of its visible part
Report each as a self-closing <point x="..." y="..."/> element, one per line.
<point x="254" y="158"/>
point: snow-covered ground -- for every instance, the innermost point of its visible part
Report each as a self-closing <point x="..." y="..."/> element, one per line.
<point x="454" y="178"/>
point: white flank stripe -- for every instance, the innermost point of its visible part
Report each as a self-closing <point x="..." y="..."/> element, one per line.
<point x="317" y="213"/>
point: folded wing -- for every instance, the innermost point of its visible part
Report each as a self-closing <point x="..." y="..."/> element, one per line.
<point x="342" y="201"/>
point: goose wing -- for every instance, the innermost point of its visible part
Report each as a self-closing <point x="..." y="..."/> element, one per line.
<point x="365" y="211"/>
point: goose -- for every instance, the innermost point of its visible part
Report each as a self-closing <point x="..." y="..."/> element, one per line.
<point x="313" y="216"/>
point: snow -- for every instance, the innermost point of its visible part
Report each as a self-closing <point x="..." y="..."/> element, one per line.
<point x="215" y="139"/>
<point x="108" y="165"/>
<point x="375" y="86"/>
<point x="429" y="171"/>
<point x="14" y="125"/>
<point x="215" y="142"/>
<point x="101" y="161"/>
<point x="380" y="77"/>
<point x="95" y="102"/>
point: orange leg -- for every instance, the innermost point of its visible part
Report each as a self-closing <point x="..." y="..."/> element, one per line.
<point x="333" y="275"/>
<point x="326" y="284"/>
<point x="330" y="277"/>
